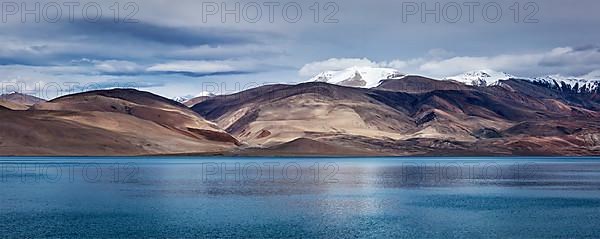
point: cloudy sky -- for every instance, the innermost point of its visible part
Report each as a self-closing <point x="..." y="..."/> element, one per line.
<point x="180" y="48"/>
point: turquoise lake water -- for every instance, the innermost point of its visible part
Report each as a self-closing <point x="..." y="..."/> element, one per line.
<point x="300" y="197"/>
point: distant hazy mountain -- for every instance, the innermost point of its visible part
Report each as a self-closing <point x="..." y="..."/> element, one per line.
<point x="18" y="101"/>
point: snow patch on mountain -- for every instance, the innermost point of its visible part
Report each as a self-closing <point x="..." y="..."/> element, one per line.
<point x="370" y="77"/>
<point x="364" y="77"/>
<point x="182" y="99"/>
<point x="481" y="78"/>
<point x="186" y="98"/>
<point x="575" y="83"/>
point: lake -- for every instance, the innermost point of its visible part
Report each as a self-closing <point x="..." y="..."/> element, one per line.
<point x="300" y="197"/>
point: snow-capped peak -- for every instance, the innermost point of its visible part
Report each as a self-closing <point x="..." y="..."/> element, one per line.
<point x="578" y="84"/>
<point x="560" y="78"/>
<point x="481" y="78"/>
<point x="364" y="77"/>
<point x="182" y="99"/>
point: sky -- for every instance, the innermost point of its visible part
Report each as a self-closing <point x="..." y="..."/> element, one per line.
<point x="188" y="48"/>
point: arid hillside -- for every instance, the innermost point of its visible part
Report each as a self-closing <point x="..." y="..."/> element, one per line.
<point x="408" y="116"/>
<point x="401" y="118"/>
<point x="114" y="122"/>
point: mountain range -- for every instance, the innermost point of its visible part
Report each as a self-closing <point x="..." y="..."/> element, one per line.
<point x="562" y="83"/>
<point x="370" y="77"/>
<point x="479" y="114"/>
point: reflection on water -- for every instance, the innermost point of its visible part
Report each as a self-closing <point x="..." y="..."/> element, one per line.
<point x="300" y="197"/>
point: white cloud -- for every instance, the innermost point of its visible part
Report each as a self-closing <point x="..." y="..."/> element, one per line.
<point x="592" y="75"/>
<point x="115" y="66"/>
<point x="52" y="81"/>
<point x="439" y="53"/>
<point x="333" y="64"/>
<point x="461" y="64"/>
<point x="224" y="51"/>
<point x="562" y="60"/>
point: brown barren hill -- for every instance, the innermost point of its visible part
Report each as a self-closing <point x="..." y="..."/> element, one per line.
<point x="408" y="116"/>
<point x="272" y="115"/>
<point x="418" y="117"/>
<point x="12" y="106"/>
<point x="112" y="122"/>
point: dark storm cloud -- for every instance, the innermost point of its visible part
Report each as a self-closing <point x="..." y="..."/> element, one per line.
<point x="587" y="48"/>
<point x="144" y="43"/>
<point x="147" y="32"/>
<point x="173" y="35"/>
<point x="4" y="61"/>
<point x="195" y="74"/>
<point x="588" y="56"/>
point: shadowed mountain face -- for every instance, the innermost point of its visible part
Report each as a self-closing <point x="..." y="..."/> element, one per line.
<point x="114" y="122"/>
<point x="193" y="101"/>
<point x="577" y="97"/>
<point x="416" y="117"/>
<point x="419" y="84"/>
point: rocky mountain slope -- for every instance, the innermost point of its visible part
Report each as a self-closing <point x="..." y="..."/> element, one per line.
<point x="420" y="84"/>
<point x="401" y="118"/>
